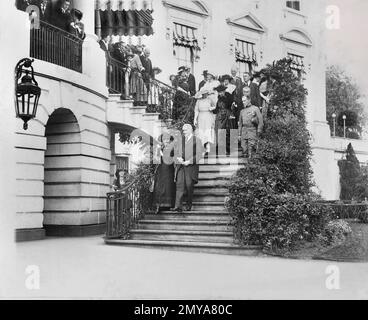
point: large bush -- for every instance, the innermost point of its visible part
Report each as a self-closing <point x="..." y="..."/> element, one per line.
<point x="353" y="178"/>
<point x="270" y="199"/>
<point x="265" y="215"/>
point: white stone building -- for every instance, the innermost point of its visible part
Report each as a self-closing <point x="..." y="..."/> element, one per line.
<point x="66" y="159"/>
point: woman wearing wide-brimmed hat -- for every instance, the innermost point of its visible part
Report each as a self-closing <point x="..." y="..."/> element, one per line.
<point x="204" y="118"/>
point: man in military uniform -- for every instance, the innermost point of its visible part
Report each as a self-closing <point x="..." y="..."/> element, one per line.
<point x="250" y="125"/>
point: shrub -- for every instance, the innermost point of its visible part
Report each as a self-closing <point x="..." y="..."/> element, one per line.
<point x="270" y="199"/>
<point x="264" y="216"/>
<point x="363" y="215"/>
<point x="335" y="232"/>
<point x="142" y="176"/>
<point x="353" y="179"/>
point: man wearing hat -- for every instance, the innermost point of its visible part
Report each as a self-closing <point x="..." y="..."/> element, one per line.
<point x="203" y="82"/>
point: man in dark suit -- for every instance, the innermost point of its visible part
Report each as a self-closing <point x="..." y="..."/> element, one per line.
<point x="255" y="95"/>
<point x="104" y="43"/>
<point x="191" y="82"/>
<point x="188" y="153"/>
<point x="46" y="10"/>
<point x="63" y="18"/>
<point x="203" y="82"/>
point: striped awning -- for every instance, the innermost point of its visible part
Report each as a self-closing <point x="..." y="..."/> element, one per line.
<point x="185" y="36"/>
<point x="124" y="5"/>
<point x="245" y="52"/>
<point x="297" y="62"/>
<point x="124" y="22"/>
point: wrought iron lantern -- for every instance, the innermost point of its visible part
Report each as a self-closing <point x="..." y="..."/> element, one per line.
<point x="27" y="91"/>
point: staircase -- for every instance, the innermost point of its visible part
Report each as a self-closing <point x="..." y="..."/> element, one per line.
<point x="205" y="229"/>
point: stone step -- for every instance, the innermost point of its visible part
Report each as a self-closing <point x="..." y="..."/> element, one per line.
<point x="209" y="196"/>
<point x="209" y="206"/>
<point x="193" y="215"/>
<point x="221" y="161"/>
<point x="182" y="225"/>
<point x="215" y="175"/>
<point x="208" y="188"/>
<point x="200" y="247"/>
<point x="220" y="168"/>
<point x="176" y="235"/>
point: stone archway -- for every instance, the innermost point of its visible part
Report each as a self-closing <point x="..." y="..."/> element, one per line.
<point x="62" y="184"/>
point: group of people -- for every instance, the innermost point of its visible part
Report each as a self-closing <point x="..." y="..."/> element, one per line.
<point x="222" y="104"/>
<point x="59" y="14"/>
<point x="141" y="70"/>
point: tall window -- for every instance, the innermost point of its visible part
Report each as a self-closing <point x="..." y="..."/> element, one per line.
<point x="186" y="48"/>
<point x="297" y="64"/>
<point x="293" y="5"/>
<point x="245" y="56"/>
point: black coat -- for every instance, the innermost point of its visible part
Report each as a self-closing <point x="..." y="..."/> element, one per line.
<point x="255" y="96"/>
<point x="62" y="20"/>
<point x="148" y="69"/>
<point x="192" y="84"/>
<point x="191" y="151"/>
<point x="201" y="84"/>
<point x="47" y="14"/>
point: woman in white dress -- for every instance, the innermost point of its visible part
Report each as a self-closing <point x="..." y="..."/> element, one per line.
<point x="204" y="118"/>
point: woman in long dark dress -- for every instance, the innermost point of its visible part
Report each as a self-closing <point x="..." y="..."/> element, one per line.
<point x="223" y="116"/>
<point x="164" y="189"/>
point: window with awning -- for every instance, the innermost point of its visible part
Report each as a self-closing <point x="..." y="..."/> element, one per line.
<point x="297" y="62"/>
<point x="185" y="36"/>
<point x="185" y="43"/>
<point x="245" y="52"/>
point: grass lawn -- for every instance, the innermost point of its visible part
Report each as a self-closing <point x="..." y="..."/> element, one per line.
<point x="353" y="249"/>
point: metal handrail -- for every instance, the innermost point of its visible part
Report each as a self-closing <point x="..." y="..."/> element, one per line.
<point x="122" y="211"/>
<point x="52" y="44"/>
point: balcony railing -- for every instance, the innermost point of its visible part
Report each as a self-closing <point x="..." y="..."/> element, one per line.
<point x="122" y="212"/>
<point x="51" y="44"/>
<point x="132" y="84"/>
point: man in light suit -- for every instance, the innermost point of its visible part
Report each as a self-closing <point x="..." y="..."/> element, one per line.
<point x="188" y="153"/>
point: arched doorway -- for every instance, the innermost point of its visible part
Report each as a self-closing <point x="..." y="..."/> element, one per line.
<point x="62" y="184"/>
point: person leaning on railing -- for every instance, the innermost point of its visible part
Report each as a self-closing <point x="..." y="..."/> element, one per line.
<point x="120" y="180"/>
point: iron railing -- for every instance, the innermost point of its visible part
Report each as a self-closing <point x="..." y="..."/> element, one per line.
<point x="54" y="45"/>
<point x="132" y="84"/>
<point x="123" y="212"/>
